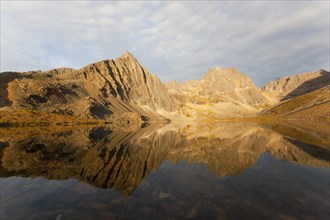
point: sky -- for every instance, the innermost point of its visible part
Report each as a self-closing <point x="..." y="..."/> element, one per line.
<point x="176" y="40"/>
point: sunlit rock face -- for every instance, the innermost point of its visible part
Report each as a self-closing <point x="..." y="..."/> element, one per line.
<point x="121" y="160"/>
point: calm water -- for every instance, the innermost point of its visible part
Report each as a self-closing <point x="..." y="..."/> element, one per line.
<point x="226" y="171"/>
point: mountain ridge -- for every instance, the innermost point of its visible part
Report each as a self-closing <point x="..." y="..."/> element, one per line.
<point x="123" y="88"/>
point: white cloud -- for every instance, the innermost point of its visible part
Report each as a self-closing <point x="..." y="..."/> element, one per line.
<point x="174" y="40"/>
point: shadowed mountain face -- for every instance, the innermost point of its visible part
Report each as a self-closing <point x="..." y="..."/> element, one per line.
<point x="120" y="160"/>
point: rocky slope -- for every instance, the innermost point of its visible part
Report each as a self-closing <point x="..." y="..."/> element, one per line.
<point x="100" y="90"/>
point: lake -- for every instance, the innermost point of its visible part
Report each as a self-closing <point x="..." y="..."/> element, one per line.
<point x="196" y="171"/>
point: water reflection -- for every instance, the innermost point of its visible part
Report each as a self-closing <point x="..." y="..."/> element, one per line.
<point x="191" y="169"/>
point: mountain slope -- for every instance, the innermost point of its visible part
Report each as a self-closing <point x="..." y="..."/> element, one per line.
<point x="312" y="105"/>
<point x="295" y="85"/>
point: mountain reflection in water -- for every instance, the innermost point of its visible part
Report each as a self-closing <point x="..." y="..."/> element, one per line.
<point x="195" y="157"/>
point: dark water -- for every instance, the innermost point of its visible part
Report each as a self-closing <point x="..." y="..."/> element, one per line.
<point x="231" y="171"/>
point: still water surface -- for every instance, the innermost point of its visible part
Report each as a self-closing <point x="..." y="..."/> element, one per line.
<point x="227" y="171"/>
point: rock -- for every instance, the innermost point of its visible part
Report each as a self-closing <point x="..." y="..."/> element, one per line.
<point x="147" y="211"/>
<point x="163" y="195"/>
<point x="59" y="217"/>
<point x="193" y="211"/>
<point x="117" y="200"/>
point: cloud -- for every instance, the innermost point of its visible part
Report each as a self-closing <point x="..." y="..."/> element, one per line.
<point x="174" y="40"/>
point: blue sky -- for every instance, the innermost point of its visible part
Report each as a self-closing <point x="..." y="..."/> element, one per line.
<point x="173" y="40"/>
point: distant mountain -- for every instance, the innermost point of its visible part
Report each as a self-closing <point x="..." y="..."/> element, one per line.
<point x="220" y="85"/>
<point x="225" y="91"/>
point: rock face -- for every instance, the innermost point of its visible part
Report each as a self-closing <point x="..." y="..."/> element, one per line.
<point x="296" y="85"/>
<point x="99" y="90"/>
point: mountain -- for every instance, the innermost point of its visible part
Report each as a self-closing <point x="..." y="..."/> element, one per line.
<point x="223" y="92"/>
<point x="102" y="90"/>
<point x="295" y="85"/>
<point x="220" y="85"/>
